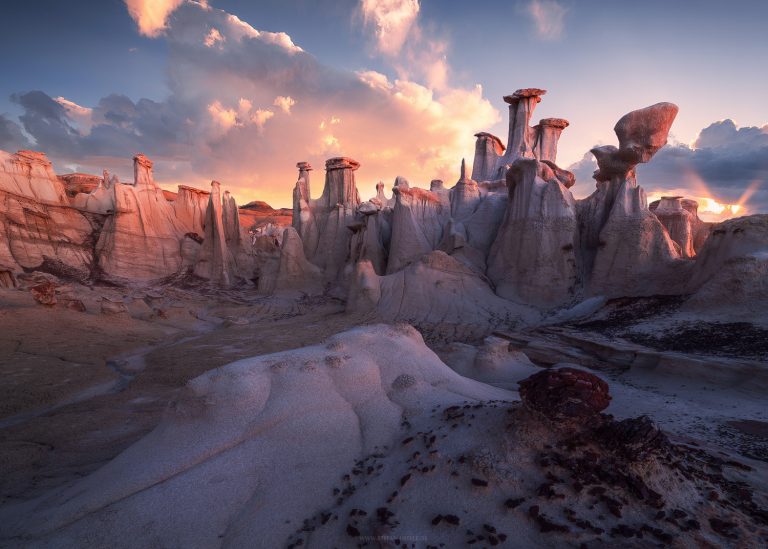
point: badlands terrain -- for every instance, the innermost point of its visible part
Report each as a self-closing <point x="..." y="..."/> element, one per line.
<point x="488" y="363"/>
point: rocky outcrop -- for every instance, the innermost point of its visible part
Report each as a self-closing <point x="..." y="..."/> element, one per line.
<point x="215" y="261"/>
<point x="521" y="138"/>
<point x="731" y="270"/>
<point x="627" y="251"/>
<point x="39" y="229"/>
<point x="464" y="196"/>
<point x="322" y="223"/>
<point x="547" y="135"/>
<point x="534" y="258"/>
<point x="680" y="217"/>
<point x="565" y="394"/>
<point x="98" y="199"/>
<point x="140" y="240"/>
<point x="418" y="219"/>
<point x="190" y="207"/>
<point x="290" y="270"/>
<point x="81" y="183"/>
<point x="437" y="293"/>
<point x="488" y="150"/>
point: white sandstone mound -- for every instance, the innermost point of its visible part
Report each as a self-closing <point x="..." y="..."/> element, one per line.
<point x="252" y="448"/>
<point x="731" y="270"/>
<point x="438" y="294"/>
<point x="493" y="362"/>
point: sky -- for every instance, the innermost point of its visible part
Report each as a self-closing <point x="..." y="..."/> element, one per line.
<point x="239" y="91"/>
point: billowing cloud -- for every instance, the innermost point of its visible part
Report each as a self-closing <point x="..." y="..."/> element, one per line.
<point x="548" y="17"/>
<point x="726" y="165"/>
<point x="246" y="111"/>
<point x="391" y="21"/>
<point x="213" y="38"/>
<point x="11" y="136"/>
<point x="151" y="15"/>
<point x="284" y="103"/>
<point x="82" y="116"/>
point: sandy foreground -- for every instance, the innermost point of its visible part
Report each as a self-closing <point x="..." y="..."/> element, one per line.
<point x="82" y="388"/>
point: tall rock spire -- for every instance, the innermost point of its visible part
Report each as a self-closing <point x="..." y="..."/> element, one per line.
<point x="521" y="137"/>
<point x="488" y="150"/>
<point x="547" y="135"/>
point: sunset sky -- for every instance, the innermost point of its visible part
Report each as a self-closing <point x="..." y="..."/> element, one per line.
<point x="239" y="91"/>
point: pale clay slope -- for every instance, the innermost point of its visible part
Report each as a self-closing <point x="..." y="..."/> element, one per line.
<point x="254" y="450"/>
<point x="253" y="444"/>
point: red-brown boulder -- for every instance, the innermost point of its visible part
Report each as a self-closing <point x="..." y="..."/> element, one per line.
<point x="565" y="393"/>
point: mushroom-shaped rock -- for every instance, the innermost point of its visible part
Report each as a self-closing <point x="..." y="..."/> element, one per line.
<point x="644" y="131"/>
<point x="547" y="135"/>
<point x="641" y="134"/>
<point x="564" y="394"/>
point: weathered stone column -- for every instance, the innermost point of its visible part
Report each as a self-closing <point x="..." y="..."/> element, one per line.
<point x="142" y="171"/>
<point x="301" y="197"/>
<point x="521" y="136"/>
<point x="547" y="135"/>
<point x="678" y="221"/>
<point x="340" y="183"/>
<point x="488" y="150"/>
<point x="302" y="183"/>
<point x="464" y="196"/>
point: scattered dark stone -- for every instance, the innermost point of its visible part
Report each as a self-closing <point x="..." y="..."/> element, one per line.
<point x="513" y="503"/>
<point x="352" y="531"/>
<point x="625" y="531"/>
<point x="723" y="527"/>
<point x="405" y="479"/>
<point x="453" y="520"/>
<point x="633" y="438"/>
<point x="437" y="520"/>
<point x="479" y="482"/>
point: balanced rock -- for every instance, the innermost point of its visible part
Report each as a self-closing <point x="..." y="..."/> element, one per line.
<point x="627" y="251"/>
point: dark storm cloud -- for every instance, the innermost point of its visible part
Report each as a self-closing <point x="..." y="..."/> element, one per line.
<point x="11" y="136"/>
<point x="46" y="120"/>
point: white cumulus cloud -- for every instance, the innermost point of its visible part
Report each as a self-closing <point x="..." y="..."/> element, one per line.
<point x="151" y="15"/>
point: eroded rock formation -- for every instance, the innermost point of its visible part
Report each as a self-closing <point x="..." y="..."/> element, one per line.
<point x="514" y="225"/>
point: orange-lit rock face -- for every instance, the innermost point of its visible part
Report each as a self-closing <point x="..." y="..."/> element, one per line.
<point x="75" y="183"/>
<point x="38" y="226"/>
